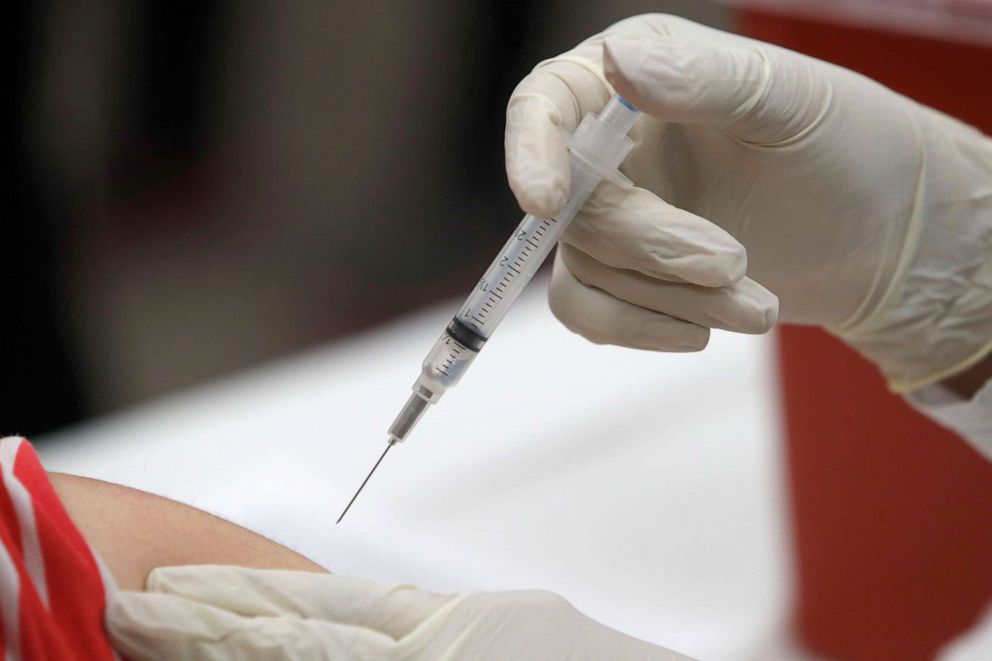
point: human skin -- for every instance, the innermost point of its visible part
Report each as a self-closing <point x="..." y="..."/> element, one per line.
<point x="971" y="380"/>
<point x="134" y="531"/>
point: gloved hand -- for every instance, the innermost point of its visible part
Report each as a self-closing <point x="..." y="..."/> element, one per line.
<point x="973" y="645"/>
<point x="224" y="612"/>
<point x="861" y="210"/>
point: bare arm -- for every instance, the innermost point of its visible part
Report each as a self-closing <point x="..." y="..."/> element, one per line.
<point x="970" y="381"/>
<point x="134" y="532"/>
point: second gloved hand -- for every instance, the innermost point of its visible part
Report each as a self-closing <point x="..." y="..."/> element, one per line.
<point x="224" y="612"/>
<point x="761" y="173"/>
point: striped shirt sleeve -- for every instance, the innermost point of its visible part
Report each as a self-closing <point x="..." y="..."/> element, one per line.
<point x="53" y="587"/>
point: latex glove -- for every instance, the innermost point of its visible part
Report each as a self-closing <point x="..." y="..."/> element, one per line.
<point x="973" y="645"/>
<point x="862" y="210"/>
<point x="223" y="612"/>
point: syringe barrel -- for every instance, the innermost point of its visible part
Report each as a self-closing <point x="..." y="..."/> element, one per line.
<point x="597" y="148"/>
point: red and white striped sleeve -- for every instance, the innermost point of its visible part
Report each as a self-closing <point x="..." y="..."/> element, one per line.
<point x="53" y="587"/>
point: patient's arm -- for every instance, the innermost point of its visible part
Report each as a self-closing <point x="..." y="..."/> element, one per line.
<point x="134" y="532"/>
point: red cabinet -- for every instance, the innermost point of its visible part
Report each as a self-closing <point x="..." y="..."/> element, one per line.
<point x="892" y="516"/>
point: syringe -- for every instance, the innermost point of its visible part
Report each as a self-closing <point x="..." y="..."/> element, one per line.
<point x="596" y="149"/>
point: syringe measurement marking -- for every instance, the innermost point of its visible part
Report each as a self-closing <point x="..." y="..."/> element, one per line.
<point x="510" y="271"/>
<point x="449" y="360"/>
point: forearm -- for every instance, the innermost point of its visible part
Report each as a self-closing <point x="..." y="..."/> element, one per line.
<point x="135" y="531"/>
<point x="967" y="383"/>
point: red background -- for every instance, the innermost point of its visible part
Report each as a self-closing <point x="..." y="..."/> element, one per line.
<point x="892" y="515"/>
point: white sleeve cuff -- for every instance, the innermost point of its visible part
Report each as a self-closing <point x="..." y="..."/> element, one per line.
<point x="971" y="418"/>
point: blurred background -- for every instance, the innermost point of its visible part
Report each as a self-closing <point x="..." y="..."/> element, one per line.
<point x="200" y="186"/>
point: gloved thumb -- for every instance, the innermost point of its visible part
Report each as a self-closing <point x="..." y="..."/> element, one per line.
<point x="757" y="93"/>
<point x="145" y="625"/>
<point x="391" y="609"/>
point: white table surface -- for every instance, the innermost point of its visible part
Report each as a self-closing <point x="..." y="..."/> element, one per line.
<point x="646" y="488"/>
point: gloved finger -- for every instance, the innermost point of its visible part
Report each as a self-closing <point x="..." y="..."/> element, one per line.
<point x="744" y="307"/>
<point x="391" y="609"/>
<point x="555" y="95"/>
<point x="146" y="625"/>
<point x="757" y="93"/>
<point x="635" y="229"/>
<point x="604" y="319"/>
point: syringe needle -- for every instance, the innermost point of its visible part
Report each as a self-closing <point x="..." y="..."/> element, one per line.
<point x="364" y="482"/>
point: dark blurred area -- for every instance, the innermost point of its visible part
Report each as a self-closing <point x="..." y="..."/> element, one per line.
<point x="201" y="186"/>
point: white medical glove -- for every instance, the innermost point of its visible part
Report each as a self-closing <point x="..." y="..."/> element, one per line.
<point x="973" y="645"/>
<point x="224" y="612"/>
<point x="861" y="210"/>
